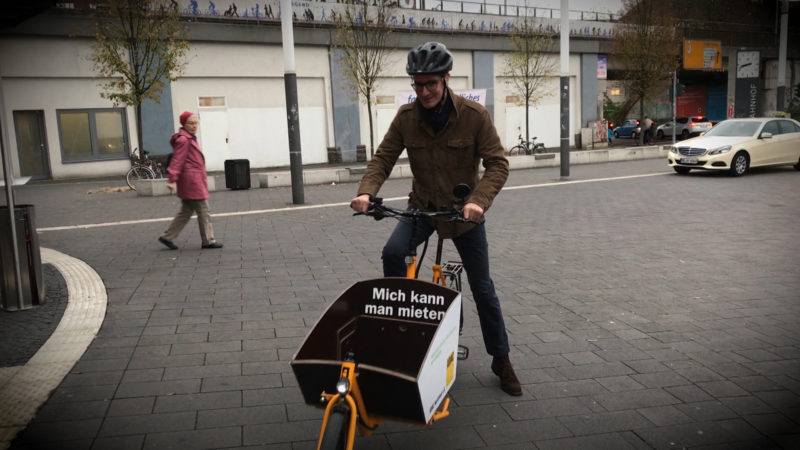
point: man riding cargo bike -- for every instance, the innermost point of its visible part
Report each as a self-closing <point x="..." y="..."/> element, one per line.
<point x="446" y="138"/>
<point x="386" y="348"/>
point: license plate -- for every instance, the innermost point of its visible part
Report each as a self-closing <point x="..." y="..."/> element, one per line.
<point x="688" y="161"/>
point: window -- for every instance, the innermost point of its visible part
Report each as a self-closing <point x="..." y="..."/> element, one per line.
<point x="771" y="127"/>
<point x="788" y="126"/>
<point x="210" y="102"/>
<point x="92" y="134"/>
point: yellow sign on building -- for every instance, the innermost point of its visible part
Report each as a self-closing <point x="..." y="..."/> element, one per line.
<point x="702" y="55"/>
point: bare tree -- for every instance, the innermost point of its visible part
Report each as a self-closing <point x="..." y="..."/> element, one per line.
<point x="647" y="48"/>
<point x="362" y="33"/>
<point x="139" y="45"/>
<point x="529" y="67"/>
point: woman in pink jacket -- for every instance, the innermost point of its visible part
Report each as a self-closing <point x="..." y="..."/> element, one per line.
<point x="187" y="175"/>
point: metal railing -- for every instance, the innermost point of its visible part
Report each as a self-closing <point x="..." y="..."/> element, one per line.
<point x="504" y="9"/>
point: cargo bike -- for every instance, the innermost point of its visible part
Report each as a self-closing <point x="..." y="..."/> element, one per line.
<point x="386" y="348"/>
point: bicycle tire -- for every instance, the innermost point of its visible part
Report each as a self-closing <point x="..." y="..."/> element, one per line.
<point x="517" y="150"/>
<point x="156" y="168"/>
<point x="334" y="436"/>
<point x="138" y="173"/>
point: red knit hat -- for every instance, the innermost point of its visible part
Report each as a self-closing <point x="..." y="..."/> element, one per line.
<point x="185" y="116"/>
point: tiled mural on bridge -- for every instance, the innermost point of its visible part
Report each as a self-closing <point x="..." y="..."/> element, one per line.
<point x="325" y="12"/>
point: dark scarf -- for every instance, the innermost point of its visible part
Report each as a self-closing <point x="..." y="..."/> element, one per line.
<point x="438" y="116"/>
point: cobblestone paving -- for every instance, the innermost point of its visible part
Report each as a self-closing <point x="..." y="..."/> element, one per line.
<point x="650" y="312"/>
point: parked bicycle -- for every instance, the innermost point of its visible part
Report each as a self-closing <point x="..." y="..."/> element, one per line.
<point x="142" y="169"/>
<point x="526" y="147"/>
<point x="392" y="343"/>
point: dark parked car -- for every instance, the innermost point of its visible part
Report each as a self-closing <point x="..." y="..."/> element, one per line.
<point x="629" y="129"/>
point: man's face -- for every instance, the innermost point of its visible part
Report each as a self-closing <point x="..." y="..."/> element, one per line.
<point x="429" y="88"/>
<point x="192" y="123"/>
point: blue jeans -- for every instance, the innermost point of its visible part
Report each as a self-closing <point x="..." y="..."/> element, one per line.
<point x="473" y="248"/>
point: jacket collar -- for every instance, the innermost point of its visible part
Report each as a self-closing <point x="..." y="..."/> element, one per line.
<point x="183" y="132"/>
<point x="458" y="103"/>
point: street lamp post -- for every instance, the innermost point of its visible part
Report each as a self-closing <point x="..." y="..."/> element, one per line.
<point x="292" y="108"/>
<point x="564" y="91"/>
<point x="9" y="184"/>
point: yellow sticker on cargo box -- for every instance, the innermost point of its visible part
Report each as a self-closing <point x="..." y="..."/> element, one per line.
<point x="451" y="368"/>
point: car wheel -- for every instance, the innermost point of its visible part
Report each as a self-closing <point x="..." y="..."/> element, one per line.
<point x="684" y="134"/>
<point x="660" y="134"/>
<point x="682" y="170"/>
<point x="616" y="134"/>
<point x="739" y="164"/>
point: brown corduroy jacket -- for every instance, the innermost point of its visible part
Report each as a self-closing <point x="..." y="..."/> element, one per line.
<point x="440" y="161"/>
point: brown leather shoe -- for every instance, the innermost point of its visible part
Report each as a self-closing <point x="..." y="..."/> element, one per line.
<point x="501" y="366"/>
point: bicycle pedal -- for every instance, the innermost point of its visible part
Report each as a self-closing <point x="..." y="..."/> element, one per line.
<point x="463" y="352"/>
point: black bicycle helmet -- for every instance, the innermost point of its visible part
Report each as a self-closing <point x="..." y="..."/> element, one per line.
<point x="429" y="58"/>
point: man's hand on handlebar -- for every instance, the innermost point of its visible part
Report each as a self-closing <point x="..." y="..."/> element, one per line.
<point x="361" y="203"/>
<point x="472" y="212"/>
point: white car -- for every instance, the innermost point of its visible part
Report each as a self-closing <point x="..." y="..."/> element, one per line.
<point x="687" y="126"/>
<point x="735" y="145"/>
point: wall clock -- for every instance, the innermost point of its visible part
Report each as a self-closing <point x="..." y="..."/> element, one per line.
<point x="747" y="64"/>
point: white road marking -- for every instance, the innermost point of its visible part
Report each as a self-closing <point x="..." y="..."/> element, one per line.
<point x="329" y="205"/>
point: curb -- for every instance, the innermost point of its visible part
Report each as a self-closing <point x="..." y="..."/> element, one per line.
<point x="158" y="187"/>
<point x="24" y="389"/>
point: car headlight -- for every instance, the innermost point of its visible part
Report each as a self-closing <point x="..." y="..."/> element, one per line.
<point x="673" y="149"/>
<point x="720" y="150"/>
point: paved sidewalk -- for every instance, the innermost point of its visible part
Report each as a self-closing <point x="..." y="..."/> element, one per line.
<point x="656" y="311"/>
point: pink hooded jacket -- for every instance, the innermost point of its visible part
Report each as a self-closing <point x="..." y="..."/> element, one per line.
<point x="188" y="166"/>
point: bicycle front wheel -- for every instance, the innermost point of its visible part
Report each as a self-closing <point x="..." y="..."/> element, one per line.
<point x="138" y="173"/>
<point x="334" y="436"/>
<point x="517" y="150"/>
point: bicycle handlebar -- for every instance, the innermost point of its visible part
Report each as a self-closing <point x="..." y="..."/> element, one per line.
<point x="378" y="211"/>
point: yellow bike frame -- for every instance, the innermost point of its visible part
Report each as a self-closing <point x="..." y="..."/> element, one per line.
<point x="368" y="423"/>
<point x="355" y="401"/>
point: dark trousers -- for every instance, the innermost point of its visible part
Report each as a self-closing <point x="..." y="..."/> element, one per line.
<point x="473" y="248"/>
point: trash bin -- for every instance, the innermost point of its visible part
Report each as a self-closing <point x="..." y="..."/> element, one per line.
<point x="237" y="173"/>
<point x="30" y="260"/>
<point x="361" y="153"/>
<point x="334" y="155"/>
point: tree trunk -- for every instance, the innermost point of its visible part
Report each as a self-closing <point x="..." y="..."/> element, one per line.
<point x="138" y="109"/>
<point x="527" y="131"/>
<point x="371" y="138"/>
<point x="641" y="120"/>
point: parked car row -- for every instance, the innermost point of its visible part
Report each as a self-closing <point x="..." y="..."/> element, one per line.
<point x="685" y="127"/>
<point x="735" y="145"/>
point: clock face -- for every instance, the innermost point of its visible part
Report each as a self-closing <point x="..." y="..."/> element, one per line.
<point x="747" y="64"/>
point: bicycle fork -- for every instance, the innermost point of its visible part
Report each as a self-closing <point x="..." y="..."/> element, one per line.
<point x="347" y="392"/>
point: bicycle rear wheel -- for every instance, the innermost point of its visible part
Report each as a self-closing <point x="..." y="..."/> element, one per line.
<point x="334" y="435"/>
<point x="138" y="173"/>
